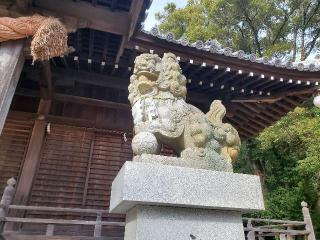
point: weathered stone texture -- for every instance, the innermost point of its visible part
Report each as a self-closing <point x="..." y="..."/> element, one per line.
<point x="141" y="183"/>
<point x="168" y="223"/>
<point x="157" y="93"/>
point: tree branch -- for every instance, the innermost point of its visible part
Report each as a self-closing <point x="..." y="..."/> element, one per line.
<point x="286" y="19"/>
<point x="313" y="43"/>
<point x="314" y="12"/>
<point x="255" y="32"/>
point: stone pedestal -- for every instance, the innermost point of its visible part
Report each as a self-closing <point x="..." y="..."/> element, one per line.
<point x="164" y="202"/>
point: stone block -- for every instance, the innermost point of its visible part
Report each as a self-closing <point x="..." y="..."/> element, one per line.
<point x="139" y="183"/>
<point x="218" y="164"/>
<point x="168" y="223"/>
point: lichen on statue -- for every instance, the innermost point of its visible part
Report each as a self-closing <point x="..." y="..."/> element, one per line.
<point x="157" y="94"/>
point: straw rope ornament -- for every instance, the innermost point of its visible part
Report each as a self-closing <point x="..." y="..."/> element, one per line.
<point x="49" y="34"/>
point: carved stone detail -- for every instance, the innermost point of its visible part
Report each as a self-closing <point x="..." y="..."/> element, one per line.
<point x="157" y="94"/>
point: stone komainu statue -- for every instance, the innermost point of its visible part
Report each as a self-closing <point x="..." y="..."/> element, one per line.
<point x="157" y="94"/>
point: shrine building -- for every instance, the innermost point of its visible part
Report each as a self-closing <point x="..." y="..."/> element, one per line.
<point x="66" y="124"/>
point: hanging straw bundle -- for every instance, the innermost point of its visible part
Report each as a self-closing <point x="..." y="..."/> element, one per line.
<point x="50" y="40"/>
<point x="49" y="34"/>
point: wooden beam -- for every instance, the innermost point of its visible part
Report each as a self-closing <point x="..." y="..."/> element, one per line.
<point x="123" y="43"/>
<point x="291" y="101"/>
<point x="24" y="5"/>
<point x="274" y="98"/>
<point x="114" y="5"/>
<point x="91" y="43"/>
<point x="29" y="168"/>
<point x="98" y="18"/>
<point x="64" y="61"/>
<point x="134" y="13"/>
<point x="241" y="126"/>
<point x="105" y="46"/>
<point x="45" y="80"/>
<point x="11" y="64"/>
<point x="256" y="100"/>
<point x="253" y="109"/>
<point x="283" y="106"/>
<point x="91" y="102"/>
<point x="296" y="92"/>
<point x="277" y="110"/>
<point x="44" y="106"/>
<point x="264" y="111"/>
<point x="30" y="164"/>
<point x="68" y="75"/>
<point x="270" y="84"/>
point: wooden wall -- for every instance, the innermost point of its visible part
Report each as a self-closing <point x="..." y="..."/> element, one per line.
<point x="13" y="145"/>
<point x="77" y="167"/>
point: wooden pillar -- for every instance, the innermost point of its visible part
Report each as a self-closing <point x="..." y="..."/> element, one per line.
<point x="251" y="234"/>
<point x="30" y="163"/>
<point x="32" y="157"/>
<point x="11" y="64"/>
<point x="6" y="201"/>
<point x="308" y="221"/>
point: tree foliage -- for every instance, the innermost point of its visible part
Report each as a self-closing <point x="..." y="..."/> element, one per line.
<point x="265" y="27"/>
<point x="286" y="156"/>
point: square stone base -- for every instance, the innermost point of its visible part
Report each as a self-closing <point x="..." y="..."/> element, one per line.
<point x="176" y="223"/>
<point x="140" y="183"/>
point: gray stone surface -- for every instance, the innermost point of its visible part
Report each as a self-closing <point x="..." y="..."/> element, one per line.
<point x="140" y="183"/>
<point x="168" y="223"/>
<point x="219" y="164"/>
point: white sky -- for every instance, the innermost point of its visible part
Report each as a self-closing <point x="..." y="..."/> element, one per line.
<point x="157" y="6"/>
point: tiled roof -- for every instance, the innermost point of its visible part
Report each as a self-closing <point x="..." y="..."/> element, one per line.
<point x="215" y="47"/>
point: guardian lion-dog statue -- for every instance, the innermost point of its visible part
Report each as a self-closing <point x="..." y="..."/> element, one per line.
<point x="157" y="93"/>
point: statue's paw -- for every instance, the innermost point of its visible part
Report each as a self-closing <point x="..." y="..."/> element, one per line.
<point x="145" y="142"/>
<point x="193" y="153"/>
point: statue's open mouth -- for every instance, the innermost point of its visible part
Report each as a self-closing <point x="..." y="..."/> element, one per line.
<point x="145" y="87"/>
<point x="152" y="76"/>
<point x="146" y="81"/>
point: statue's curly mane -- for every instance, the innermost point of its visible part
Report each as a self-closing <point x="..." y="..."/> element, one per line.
<point x="168" y="72"/>
<point x="171" y="78"/>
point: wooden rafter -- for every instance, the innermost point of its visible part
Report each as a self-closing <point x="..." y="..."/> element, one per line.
<point x="290" y="100"/>
<point x="134" y="13"/>
<point x="95" y="79"/>
<point x="90" y="102"/>
<point x="123" y="43"/>
<point x="91" y="43"/>
<point x="114" y="5"/>
<point x="24" y="5"/>
<point x="105" y="47"/>
<point x="282" y="105"/>
<point x="264" y="110"/>
<point x="147" y="42"/>
<point x="94" y="17"/>
<point x="274" y="97"/>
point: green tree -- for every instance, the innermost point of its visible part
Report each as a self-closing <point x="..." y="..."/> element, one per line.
<point x="265" y="27"/>
<point x="286" y="156"/>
